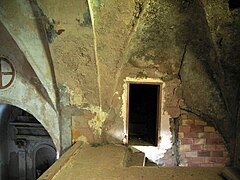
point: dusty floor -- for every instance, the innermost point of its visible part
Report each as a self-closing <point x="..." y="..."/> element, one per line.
<point x="106" y="162"/>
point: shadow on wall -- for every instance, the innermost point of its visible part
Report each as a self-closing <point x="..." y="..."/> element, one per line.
<point x="26" y="149"/>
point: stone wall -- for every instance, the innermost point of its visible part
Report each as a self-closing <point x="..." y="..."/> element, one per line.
<point x="200" y="144"/>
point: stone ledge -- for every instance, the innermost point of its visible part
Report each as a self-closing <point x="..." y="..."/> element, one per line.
<point x="60" y="163"/>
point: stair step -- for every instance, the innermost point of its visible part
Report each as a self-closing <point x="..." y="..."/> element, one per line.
<point x="134" y="157"/>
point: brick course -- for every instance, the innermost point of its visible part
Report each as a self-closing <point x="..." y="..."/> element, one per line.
<point x="184" y="128"/>
<point x="187" y="122"/>
<point x="200" y="144"/>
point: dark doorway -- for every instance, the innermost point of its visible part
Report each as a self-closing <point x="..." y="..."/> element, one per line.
<point x="143" y="120"/>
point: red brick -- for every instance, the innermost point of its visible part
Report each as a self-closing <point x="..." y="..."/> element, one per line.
<point x="199" y="141"/>
<point x="180" y="135"/>
<point x="197" y="129"/>
<point x="214" y="135"/>
<point x="207" y="165"/>
<point x="190" y="135"/>
<point x="187" y="122"/>
<point x="184" y="128"/>
<point x="209" y="147"/>
<point x="215" y="160"/>
<point x="185" y="147"/>
<point x="209" y="160"/>
<point x="203" y="135"/>
<point x="209" y="129"/>
<point x="194" y="164"/>
<point x="196" y="160"/>
<point x="218" y="165"/>
<point x="187" y="141"/>
<point x="214" y="141"/>
<point x="182" y="154"/>
<point x="216" y="154"/>
<point x="197" y="147"/>
<point x="203" y="153"/>
<point x="220" y="147"/>
<point x="191" y="154"/>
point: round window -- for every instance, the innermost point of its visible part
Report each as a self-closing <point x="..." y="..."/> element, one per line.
<point x="7" y="73"/>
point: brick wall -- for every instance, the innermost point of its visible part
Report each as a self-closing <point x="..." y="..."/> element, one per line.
<point x="200" y="144"/>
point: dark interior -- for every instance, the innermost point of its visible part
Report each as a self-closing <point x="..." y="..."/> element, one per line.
<point x="44" y="159"/>
<point x="234" y="4"/>
<point x="143" y="104"/>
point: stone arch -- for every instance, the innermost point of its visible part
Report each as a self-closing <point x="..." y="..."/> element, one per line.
<point x="41" y="118"/>
<point x="27" y="91"/>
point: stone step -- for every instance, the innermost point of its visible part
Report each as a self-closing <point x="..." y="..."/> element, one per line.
<point x="134" y="157"/>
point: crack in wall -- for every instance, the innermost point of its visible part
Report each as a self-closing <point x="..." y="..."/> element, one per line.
<point x="181" y="64"/>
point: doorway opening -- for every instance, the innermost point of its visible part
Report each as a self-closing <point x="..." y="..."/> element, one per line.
<point x="143" y="119"/>
<point x="45" y="156"/>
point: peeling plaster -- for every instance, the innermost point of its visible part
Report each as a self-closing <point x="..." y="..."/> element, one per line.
<point x="82" y="139"/>
<point x="96" y="123"/>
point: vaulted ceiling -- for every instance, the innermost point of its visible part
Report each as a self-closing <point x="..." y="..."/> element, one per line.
<point x="87" y="48"/>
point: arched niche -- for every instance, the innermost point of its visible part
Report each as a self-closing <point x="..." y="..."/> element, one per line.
<point x="44" y="155"/>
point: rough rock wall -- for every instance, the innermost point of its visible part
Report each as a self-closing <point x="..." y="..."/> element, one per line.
<point x="223" y="22"/>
